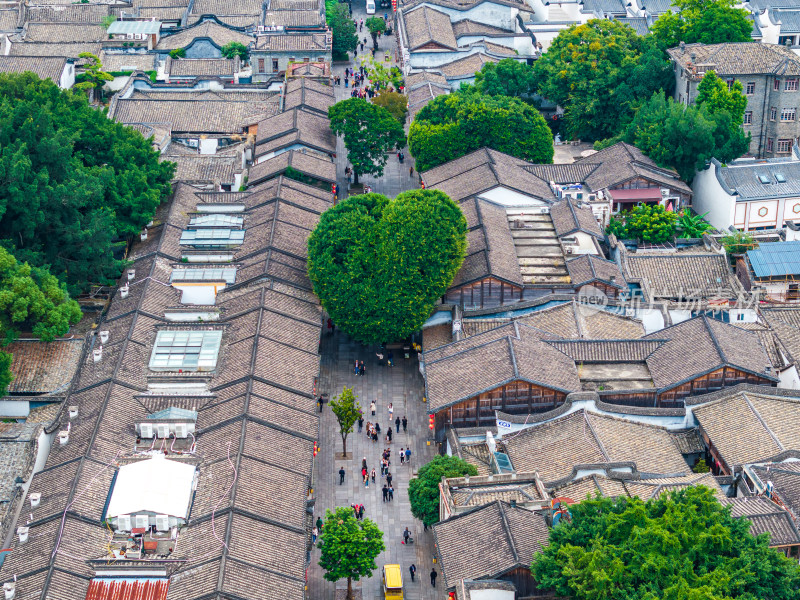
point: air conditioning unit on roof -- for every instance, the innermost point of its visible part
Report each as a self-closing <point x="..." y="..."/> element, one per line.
<point x="182" y="430"/>
<point x="141" y="521"/>
<point x="146" y="430"/>
<point x="163" y="430"/>
<point x="162" y="522"/>
<point x="124" y="523"/>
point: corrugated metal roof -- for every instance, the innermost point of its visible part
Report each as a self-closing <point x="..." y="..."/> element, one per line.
<point x="146" y="27"/>
<point x="775" y="259"/>
<point x="127" y="589"/>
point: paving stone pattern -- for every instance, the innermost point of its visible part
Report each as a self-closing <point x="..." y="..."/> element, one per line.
<point x="403" y="386"/>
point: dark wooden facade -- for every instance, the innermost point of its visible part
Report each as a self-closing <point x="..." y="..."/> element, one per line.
<point x="608" y="290"/>
<point x="485" y="293"/>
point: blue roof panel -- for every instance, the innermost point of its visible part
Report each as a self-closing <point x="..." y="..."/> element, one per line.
<point x="775" y="259"/>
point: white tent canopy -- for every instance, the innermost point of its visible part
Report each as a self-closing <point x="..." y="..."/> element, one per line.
<point x="156" y="485"/>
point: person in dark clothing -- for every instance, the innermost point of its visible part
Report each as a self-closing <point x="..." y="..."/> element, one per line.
<point x="413" y="570"/>
<point x="397" y="424"/>
<point x="360" y="423"/>
<point x="361" y="513"/>
<point x="406" y="535"/>
<point x="377" y="427"/>
<point x="319" y="402"/>
<point x="341" y="475"/>
<point x="390" y="359"/>
<point x="389" y="434"/>
<point x="364" y="463"/>
<point x="433" y="577"/>
<point x="319" y="523"/>
<point x="391" y="493"/>
<point x="405" y="424"/>
<point x="385" y="492"/>
<point x="388" y="478"/>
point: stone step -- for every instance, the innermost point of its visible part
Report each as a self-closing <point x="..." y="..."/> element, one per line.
<point x="542" y="270"/>
<point x="545" y="261"/>
<point x="547" y="280"/>
<point x="533" y="231"/>
<point x="537" y="251"/>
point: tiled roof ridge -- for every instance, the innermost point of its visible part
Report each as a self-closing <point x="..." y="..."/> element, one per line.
<point x="763" y="422"/>
<point x="594" y="433"/>
<point x="580" y="321"/>
<point x="714" y="340"/>
<point x="504" y="338"/>
<point x="507" y="530"/>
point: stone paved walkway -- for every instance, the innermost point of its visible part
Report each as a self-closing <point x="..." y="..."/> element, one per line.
<point x="395" y="178"/>
<point x="403" y="386"/>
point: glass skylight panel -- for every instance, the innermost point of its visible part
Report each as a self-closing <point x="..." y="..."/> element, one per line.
<point x="203" y="274"/>
<point x="212" y="237"/>
<point x="780" y="178"/>
<point x="763" y="178"/>
<point x="185" y="351"/>
<point x="220" y="208"/>
<point x="216" y="220"/>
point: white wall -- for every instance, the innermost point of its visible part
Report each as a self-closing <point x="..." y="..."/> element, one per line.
<point x="491" y="595"/>
<point x="789" y="379"/>
<point x="67" y="77"/>
<point x="508" y="197"/>
<point x="710" y="197"/>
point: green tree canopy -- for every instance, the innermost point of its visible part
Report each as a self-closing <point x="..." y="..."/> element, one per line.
<point x="379" y="266"/>
<point x="93" y="76"/>
<point x="349" y="547"/>
<point x="456" y="124"/>
<point x="690" y="225"/>
<point x="717" y="97"/>
<point x="375" y="25"/>
<point x="380" y="74"/>
<point x="508" y="77"/>
<point x="232" y="49"/>
<point x="73" y="183"/>
<point x="738" y="243"/>
<point x="343" y="30"/>
<point x="346" y="409"/>
<point x="685" y="137"/>
<point x="370" y="132"/>
<point x="6" y="376"/>
<point x="178" y="53"/>
<point x="703" y="21"/>
<point x="600" y="72"/>
<point x="395" y="102"/>
<point x="683" y="545"/>
<point x="31" y="299"/>
<point x="646" y="223"/>
<point x="423" y="490"/>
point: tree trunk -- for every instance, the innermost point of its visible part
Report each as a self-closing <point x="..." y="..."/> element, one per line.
<point x="349" y="588"/>
<point x="375" y="41"/>
<point x="355" y="177"/>
<point x="344" y="445"/>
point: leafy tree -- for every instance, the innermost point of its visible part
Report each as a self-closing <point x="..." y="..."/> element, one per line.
<point x="380" y="75"/>
<point x="456" y="124"/>
<point x="508" y="77"/>
<point x="738" y="243"/>
<point x="347" y="411"/>
<point x="349" y="547"/>
<point x="6" y="376"/>
<point x="703" y="21"/>
<point x="692" y="226"/>
<point x="600" y="72"/>
<point x="178" y="53"/>
<point x="31" y="299"/>
<point x="232" y="49"/>
<point x="714" y="94"/>
<point x="682" y="545"/>
<point x="106" y="23"/>
<point x="423" y="490"/>
<point x="395" y="102"/>
<point x="379" y="266"/>
<point x="701" y="466"/>
<point x="93" y="77"/>
<point x="73" y="183"/>
<point x="370" y="132"/>
<point x="343" y="31"/>
<point x="376" y="26"/>
<point x="685" y="137"/>
<point x="646" y="222"/>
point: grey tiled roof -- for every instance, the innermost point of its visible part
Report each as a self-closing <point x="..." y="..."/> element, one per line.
<point x="571" y="320"/>
<point x="568" y="217"/>
<point x="45" y="67"/>
<point x="419" y="77"/>
<point x="488" y="541"/>
<point x="785" y="478"/>
<point x="10" y="20"/>
<point x="789" y="19"/>
<point x="484" y="170"/>
<point x="68" y="13"/>
<point x="744" y="58"/>
<point x="589" y="268"/>
<point x="296" y="42"/>
<point x="294" y="18"/>
<point x="747" y="427"/>
<point x="217" y="33"/>
<point x="604" y="7"/>
<point x="222" y="7"/>
<point x="193" y="67"/>
<point x="199" y="168"/>
<point x="625" y="485"/>
<point x="765" y="517"/>
<point x="554" y="447"/>
<point x="467" y="66"/>
<point x="65" y="32"/>
<point x="470" y="27"/>
<point x="742" y="178"/>
<point x="638" y="24"/>
<point x="124" y="62"/>
<point x="295" y="126"/>
<point x="68" y="49"/>
<point x="681" y="275"/>
<point x="425" y="25"/>
<point x="307" y="93"/>
<point x="307" y="164"/>
<point x="43" y="367"/>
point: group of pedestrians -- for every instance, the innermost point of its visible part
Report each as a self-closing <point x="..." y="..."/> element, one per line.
<point x="359" y="368"/>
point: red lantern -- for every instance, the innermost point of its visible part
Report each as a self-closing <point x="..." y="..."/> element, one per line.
<point x="431" y="422"/>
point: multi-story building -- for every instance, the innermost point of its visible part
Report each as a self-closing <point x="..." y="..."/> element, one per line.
<point x="770" y="78"/>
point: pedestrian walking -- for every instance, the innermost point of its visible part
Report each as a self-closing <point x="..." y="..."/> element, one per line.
<point x="408" y="455"/>
<point x="361" y="423"/>
<point x="391" y="493"/>
<point x="319" y="523"/>
<point x="361" y="513"/>
<point x="397" y="424"/>
<point x="389" y="434"/>
<point x="362" y="368"/>
<point x="341" y="475"/>
<point x="314" y="533"/>
<point x="402" y="455"/>
<point x="364" y="463"/>
<point x="388" y="479"/>
<point x="385" y="492"/>
<point x="391" y="412"/>
<point x="372" y="407"/>
<point x="390" y="359"/>
<point x="355" y="369"/>
<point x="380" y="358"/>
<point x="411" y="171"/>
<point x="406" y="535"/>
<point x="377" y="427"/>
<point x="319" y="403"/>
<point x="405" y="424"/>
<point x="364" y="475"/>
<point x="413" y="570"/>
<point x="433" y="577"/>
<point x="372" y="475"/>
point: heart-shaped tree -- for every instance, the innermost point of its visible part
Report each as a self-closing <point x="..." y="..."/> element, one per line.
<point x="378" y="265"/>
